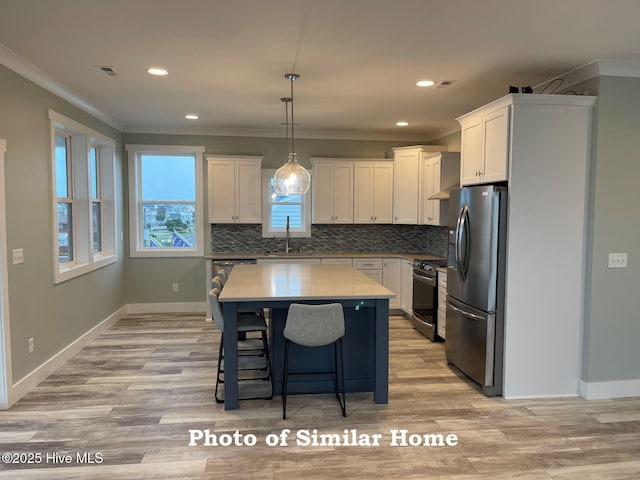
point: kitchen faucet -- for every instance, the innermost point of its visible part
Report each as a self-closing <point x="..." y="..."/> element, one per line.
<point x="288" y="236"/>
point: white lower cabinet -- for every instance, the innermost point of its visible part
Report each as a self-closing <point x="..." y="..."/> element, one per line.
<point x="371" y="267"/>
<point x="406" y="287"/>
<point x="442" y="303"/>
<point x="391" y="278"/>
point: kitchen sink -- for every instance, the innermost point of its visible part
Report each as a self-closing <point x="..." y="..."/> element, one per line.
<point x="290" y="254"/>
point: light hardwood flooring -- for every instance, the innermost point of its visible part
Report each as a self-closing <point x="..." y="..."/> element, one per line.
<point x="135" y="392"/>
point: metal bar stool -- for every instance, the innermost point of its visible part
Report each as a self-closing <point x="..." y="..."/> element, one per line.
<point x="315" y="326"/>
<point x="247" y="322"/>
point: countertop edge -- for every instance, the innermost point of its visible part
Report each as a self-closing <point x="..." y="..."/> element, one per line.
<point x="249" y="256"/>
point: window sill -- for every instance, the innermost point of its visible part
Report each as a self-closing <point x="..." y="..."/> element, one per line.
<point x="167" y="253"/>
<point x="75" y="270"/>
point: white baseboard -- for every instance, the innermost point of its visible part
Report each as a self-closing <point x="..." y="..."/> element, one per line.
<point x="178" y="307"/>
<point x="24" y="385"/>
<point x="615" y="389"/>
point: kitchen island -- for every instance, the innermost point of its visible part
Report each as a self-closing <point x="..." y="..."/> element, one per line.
<point x="276" y="286"/>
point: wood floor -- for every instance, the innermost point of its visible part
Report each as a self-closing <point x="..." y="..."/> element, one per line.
<point x="129" y="400"/>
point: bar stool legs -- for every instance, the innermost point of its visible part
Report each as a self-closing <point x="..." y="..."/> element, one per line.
<point x="338" y="371"/>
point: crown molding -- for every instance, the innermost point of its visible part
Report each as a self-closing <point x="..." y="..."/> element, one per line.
<point x="277" y="133"/>
<point x="23" y="67"/>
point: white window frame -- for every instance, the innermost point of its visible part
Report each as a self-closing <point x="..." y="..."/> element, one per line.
<point x="82" y="138"/>
<point x="136" y="247"/>
<point x="267" y="230"/>
<point x="98" y="198"/>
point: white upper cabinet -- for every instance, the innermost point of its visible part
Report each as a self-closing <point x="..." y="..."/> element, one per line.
<point x="373" y="191"/>
<point x="234" y="188"/>
<point x="440" y="173"/>
<point x="485" y="145"/>
<point x="332" y="183"/>
<point x="407" y="186"/>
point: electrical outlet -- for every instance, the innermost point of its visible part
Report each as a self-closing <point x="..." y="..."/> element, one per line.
<point x="617" y="260"/>
<point x="175" y="287"/>
<point x="30" y="344"/>
<point x="18" y="256"/>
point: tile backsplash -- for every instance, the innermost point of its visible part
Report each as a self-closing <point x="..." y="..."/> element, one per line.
<point x="335" y="239"/>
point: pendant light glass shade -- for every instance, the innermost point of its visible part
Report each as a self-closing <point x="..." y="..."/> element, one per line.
<point x="291" y="178"/>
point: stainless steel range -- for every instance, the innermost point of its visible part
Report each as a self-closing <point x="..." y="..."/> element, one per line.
<point x="425" y="297"/>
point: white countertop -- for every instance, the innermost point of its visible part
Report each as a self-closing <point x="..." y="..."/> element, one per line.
<point x="300" y="282"/>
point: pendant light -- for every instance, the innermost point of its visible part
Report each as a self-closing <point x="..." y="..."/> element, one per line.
<point x="291" y="178"/>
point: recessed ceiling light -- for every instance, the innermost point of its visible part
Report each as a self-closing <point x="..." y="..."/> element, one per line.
<point x="160" y="72"/>
<point x="425" y="83"/>
<point x="191" y="116"/>
<point x="402" y="124"/>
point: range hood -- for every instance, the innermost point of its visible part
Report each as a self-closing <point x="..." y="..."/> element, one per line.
<point x="442" y="195"/>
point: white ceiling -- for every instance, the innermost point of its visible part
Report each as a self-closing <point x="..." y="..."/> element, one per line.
<point x="358" y="59"/>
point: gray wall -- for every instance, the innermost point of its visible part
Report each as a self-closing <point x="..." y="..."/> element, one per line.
<point x="612" y="317"/>
<point x="55" y="315"/>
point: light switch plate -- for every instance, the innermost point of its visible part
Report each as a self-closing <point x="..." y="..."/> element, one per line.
<point x="18" y="256"/>
<point x="617" y="260"/>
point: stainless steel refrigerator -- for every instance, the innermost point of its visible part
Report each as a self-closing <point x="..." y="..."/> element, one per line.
<point x="475" y="284"/>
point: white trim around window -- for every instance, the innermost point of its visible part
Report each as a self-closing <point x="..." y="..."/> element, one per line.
<point x="77" y="256"/>
<point x="269" y="230"/>
<point x="139" y="245"/>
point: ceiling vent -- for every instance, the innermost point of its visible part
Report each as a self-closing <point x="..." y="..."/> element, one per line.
<point x="108" y="70"/>
<point x="444" y="83"/>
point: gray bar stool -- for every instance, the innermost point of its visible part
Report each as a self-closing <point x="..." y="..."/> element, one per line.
<point x="315" y="326"/>
<point x="247" y="322"/>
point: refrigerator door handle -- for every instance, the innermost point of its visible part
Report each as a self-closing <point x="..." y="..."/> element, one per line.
<point x="458" y="245"/>
<point x="462" y="242"/>
<point x="473" y="316"/>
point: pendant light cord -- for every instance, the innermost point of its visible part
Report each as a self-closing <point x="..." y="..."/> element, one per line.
<point x="292" y="136"/>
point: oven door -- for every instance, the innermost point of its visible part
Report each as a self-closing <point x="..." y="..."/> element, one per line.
<point x="425" y="305"/>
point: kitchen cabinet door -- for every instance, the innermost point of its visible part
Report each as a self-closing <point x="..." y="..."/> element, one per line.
<point x="471" y="152"/>
<point x="248" y="192"/>
<point x="234" y="189"/>
<point x="496" y="145"/>
<point x="382" y="192"/>
<point x="406" y="180"/>
<point x="373" y="192"/>
<point x="363" y="192"/>
<point x="322" y="192"/>
<point x="391" y="278"/>
<point x="406" y="287"/>
<point x="485" y="145"/>
<point x="221" y="189"/>
<point x="332" y="191"/>
<point x="431" y="212"/>
<point x="343" y="192"/>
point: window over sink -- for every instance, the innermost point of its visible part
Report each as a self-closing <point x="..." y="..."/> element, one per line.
<point x="277" y="207"/>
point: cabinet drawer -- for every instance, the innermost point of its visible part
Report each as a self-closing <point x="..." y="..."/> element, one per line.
<point x="337" y="261"/>
<point x="367" y="263"/>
